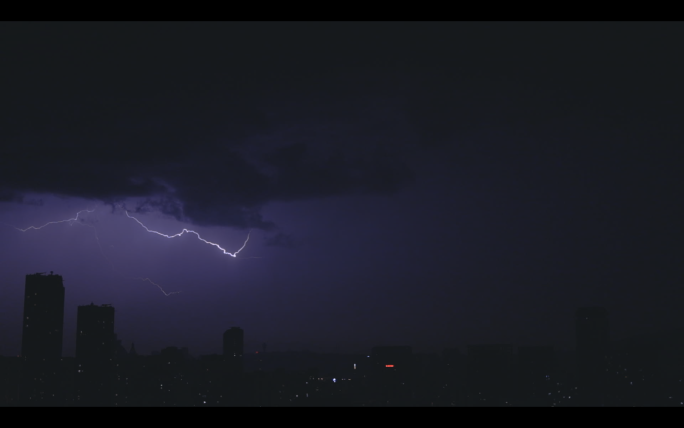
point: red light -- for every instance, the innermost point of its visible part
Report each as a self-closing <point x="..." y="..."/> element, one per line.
<point x="389" y="365"/>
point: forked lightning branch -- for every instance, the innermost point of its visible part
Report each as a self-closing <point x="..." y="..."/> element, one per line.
<point x="76" y="218"/>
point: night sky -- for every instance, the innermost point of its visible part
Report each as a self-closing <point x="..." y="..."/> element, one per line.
<point x="424" y="184"/>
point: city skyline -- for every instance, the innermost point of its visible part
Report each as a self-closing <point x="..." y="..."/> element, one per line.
<point x="95" y="323"/>
<point x="104" y="374"/>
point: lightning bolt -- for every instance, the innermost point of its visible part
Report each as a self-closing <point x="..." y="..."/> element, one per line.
<point x="72" y="220"/>
<point x="97" y="239"/>
<point x="114" y="269"/>
<point x="193" y="232"/>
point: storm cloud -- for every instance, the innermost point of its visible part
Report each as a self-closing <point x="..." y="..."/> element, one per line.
<point x="173" y="131"/>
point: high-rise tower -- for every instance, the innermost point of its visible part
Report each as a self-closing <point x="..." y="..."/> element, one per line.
<point x="233" y="347"/>
<point x="41" y="341"/>
<point x="43" y="317"/>
<point x="95" y="348"/>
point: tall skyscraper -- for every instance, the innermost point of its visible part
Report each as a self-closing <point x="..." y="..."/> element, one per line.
<point x="233" y="348"/>
<point x="43" y="316"/>
<point x="592" y="347"/>
<point x="95" y="348"/>
<point x="41" y="341"/>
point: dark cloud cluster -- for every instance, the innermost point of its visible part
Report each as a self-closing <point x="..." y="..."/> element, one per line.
<point x="193" y="178"/>
<point x="187" y="149"/>
<point x="210" y="122"/>
<point x="166" y="115"/>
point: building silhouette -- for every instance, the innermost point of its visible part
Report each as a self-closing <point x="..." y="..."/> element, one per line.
<point x="95" y="352"/>
<point x="453" y="390"/>
<point x="537" y="376"/>
<point x="642" y="370"/>
<point x="391" y="375"/>
<point x="41" y="341"/>
<point x="592" y="347"/>
<point x="490" y="380"/>
<point x="233" y="348"/>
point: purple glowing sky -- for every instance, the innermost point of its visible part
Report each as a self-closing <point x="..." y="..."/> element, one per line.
<point x="397" y="188"/>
